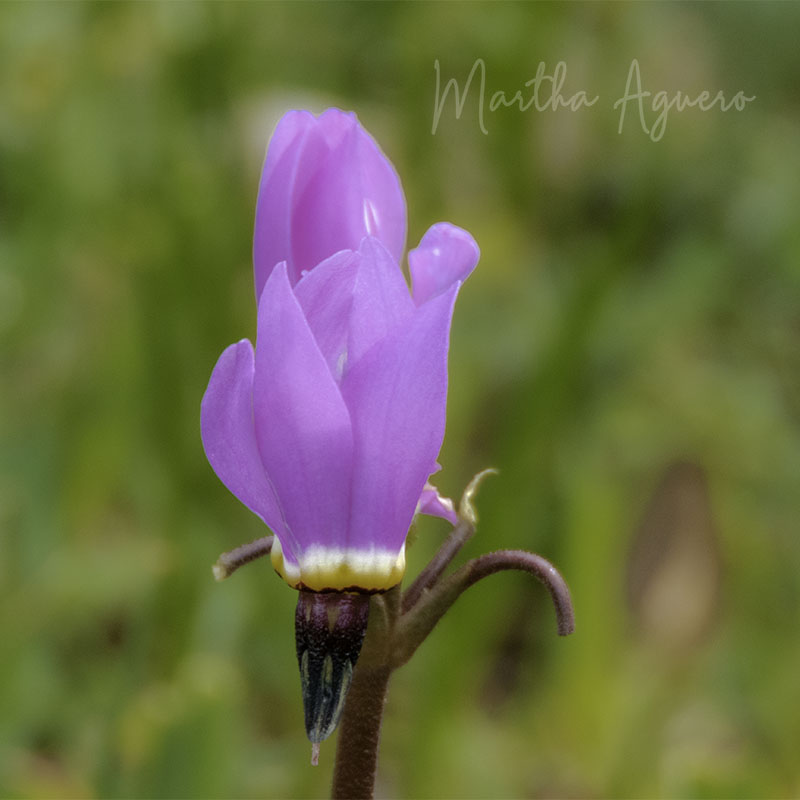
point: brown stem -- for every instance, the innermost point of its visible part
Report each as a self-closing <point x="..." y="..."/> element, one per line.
<point x="397" y="626"/>
<point x="360" y="727"/>
<point x="359" y="735"/>
<point x="415" y="626"/>
<point x="459" y="536"/>
<point x="229" y="562"/>
<point x="541" y="568"/>
<point x="437" y="565"/>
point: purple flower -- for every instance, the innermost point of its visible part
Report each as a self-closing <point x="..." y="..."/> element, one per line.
<point x="325" y="186"/>
<point x="330" y="429"/>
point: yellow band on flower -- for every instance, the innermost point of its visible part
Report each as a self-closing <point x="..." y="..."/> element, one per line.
<point x="334" y="568"/>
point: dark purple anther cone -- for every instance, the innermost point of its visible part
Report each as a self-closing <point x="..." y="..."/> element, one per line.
<point x="329" y="631"/>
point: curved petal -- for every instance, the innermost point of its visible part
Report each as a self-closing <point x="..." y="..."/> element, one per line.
<point x="434" y="505"/>
<point x="335" y="124"/>
<point x="325" y="295"/>
<point x="355" y="192"/>
<point x="353" y="299"/>
<point x="381" y="300"/>
<point x="302" y="424"/>
<point x="296" y="150"/>
<point x="229" y="439"/>
<point x="446" y="254"/>
<point x="396" y="395"/>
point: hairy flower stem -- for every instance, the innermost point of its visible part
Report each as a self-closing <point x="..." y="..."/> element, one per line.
<point x="438" y="564"/>
<point x="229" y="562"/>
<point x="359" y="735"/>
<point x="396" y="630"/>
<point x="397" y="626"/>
<point x="459" y="536"/>
<point x="360" y="727"/>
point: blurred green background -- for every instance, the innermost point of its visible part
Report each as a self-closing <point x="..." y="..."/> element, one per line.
<point x="627" y="354"/>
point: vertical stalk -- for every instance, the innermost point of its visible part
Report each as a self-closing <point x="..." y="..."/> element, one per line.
<point x="360" y="727"/>
<point x="359" y="735"/>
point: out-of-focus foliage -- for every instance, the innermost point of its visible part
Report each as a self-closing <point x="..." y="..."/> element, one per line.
<point x="627" y="354"/>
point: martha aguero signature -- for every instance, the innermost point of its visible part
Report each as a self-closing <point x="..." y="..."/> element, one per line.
<point x="545" y="92"/>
